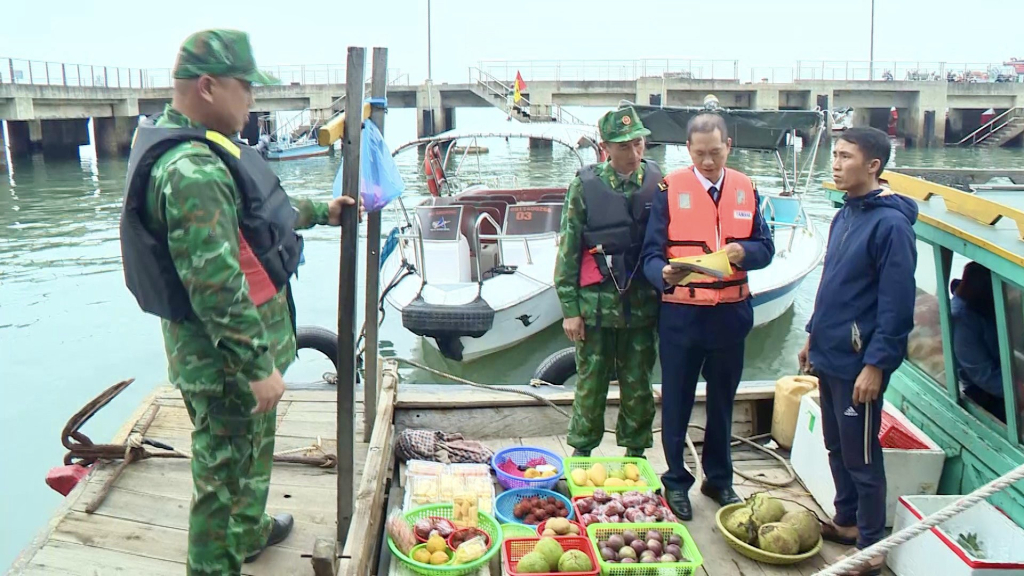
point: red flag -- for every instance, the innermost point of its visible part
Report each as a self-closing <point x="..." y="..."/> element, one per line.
<point x="520" y="83"/>
<point x="517" y="88"/>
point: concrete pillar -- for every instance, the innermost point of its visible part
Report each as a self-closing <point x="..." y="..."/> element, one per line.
<point x="766" y="98"/>
<point x="61" y="138"/>
<point x="251" y="132"/>
<point x="26" y="137"/>
<point x="3" y="150"/>
<point x="538" y="144"/>
<point x="931" y="98"/>
<point x="447" y="119"/>
<point x="861" y="117"/>
<point x="649" y="91"/>
<point x="429" y="120"/>
<point x="113" y="135"/>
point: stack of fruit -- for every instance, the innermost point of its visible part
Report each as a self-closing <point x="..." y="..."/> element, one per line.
<point x="534" y="468"/>
<point x="764" y="522"/>
<point x="600" y="476"/>
<point x="435" y="551"/>
<point x="559" y="527"/>
<point x="633" y="507"/>
<point x="535" y="509"/>
<point x="655" y="546"/>
<point x="548" y="556"/>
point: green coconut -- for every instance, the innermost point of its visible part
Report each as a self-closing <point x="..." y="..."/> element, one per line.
<point x="741" y="525"/>
<point x="533" y="563"/>
<point x="766" y="509"/>
<point x="778" y="538"/>
<point x="575" y="561"/>
<point x="551" y="550"/>
<point x="808" y="529"/>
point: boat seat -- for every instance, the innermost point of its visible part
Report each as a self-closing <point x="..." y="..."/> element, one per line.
<point x="500" y="209"/>
<point x="781" y="210"/>
<point x="490" y="197"/>
<point x="447" y="260"/>
<point x="551" y="198"/>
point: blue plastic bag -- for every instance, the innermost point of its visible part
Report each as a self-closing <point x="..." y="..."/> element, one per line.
<point x="379" y="180"/>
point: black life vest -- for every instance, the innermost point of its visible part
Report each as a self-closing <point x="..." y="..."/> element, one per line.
<point x="266" y="223"/>
<point x="616" y="224"/>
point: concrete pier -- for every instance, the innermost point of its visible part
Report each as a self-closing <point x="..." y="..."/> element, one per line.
<point x="114" y="135"/>
<point x="3" y="151"/>
<point x="61" y="138"/>
<point x="922" y="105"/>
<point x="26" y="137"/>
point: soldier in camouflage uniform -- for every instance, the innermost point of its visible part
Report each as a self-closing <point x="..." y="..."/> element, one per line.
<point x="227" y="357"/>
<point x="610" y="310"/>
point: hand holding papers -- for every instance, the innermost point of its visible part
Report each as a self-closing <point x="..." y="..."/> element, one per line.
<point x="703" y="267"/>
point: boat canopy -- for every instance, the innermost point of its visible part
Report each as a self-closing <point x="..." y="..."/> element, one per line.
<point x="749" y="129"/>
<point x="574" y="136"/>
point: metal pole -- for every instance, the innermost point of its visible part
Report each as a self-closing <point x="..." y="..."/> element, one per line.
<point x="378" y="89"/>
<point x="430" y="75"/>
<point x="347" y="295"/>
<point x="871" y="53"/>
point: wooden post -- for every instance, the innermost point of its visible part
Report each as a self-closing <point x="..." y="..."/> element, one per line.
<point x="347" y="295"/>
<point x="378" y="89"/>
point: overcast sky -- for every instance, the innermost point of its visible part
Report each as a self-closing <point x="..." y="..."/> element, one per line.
<point x="755" y="32"/>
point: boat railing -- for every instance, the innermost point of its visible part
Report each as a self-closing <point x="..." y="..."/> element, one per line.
<point x="991" y="127"/>
<point x="776" y="217"/>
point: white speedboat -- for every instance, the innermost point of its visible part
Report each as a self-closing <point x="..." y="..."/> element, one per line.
<point x="472" y="273"/>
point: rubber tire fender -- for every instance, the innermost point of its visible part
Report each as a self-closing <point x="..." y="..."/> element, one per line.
<point x="320" y="339"/>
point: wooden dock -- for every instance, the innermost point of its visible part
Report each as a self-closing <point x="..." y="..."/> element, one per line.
<point x="142" y="526"/>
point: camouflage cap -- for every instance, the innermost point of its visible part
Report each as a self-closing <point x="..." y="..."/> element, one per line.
<point x="621" y="125"/>
<point x="219" y="53"/>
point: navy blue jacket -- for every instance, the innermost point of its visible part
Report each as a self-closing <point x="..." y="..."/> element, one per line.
<point x="864" y="309"/>
<point x="708" y="326"/>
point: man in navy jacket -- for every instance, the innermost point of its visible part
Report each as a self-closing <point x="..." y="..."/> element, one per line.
<point x="863" y="313"/>
<point x="702" y="339"/>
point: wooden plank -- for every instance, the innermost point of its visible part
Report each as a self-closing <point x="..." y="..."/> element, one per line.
<point x="68" y="559"/>
<point x="719" y="558"/>
<point x="368" y="513"/>
<point x="431" y="396"/>
<point x="180" y="470"/>
<point x="328" y="395"/>
<point x="171" y="511"/>
<point x="163" y="543"/>
<point x="499" y="422"/>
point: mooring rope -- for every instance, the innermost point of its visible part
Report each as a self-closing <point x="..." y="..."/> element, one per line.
<point x="884" y="546"/>
<point x="789" y="478"/>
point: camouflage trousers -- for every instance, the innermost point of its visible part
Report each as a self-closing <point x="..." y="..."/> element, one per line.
<point x="630" y="353"/>
<point x="232" y="455"/>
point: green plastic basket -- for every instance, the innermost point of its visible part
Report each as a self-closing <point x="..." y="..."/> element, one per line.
<point x="753" y="552"/>
<point x="598" y="532"/>
<point x="513" y="530"/>
<point x="647" y="474"/>
<point x="485" y="522"/>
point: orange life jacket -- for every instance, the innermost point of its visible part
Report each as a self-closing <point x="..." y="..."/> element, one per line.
<point x="697" y="226"/>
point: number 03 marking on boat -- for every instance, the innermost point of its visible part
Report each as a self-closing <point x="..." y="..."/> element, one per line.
<point x="520" y="215"/>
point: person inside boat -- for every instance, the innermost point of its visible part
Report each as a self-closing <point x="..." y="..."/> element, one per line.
<point x="702" y="325"/>
<point x="208" y="244"/>
<point x="609" y="309"/>
<point x="975" y="341"/>
<point x="858" y="331"/>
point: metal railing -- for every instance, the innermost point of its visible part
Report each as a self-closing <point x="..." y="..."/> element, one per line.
<point x="500" y="90"/>
<point x="568" y="70"/>
<point x="991" y="127"/>
<point x="916" y="71"/>
<point x="39" y="72"/>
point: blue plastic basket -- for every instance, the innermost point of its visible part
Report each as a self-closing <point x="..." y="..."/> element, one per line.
<point x="521" y="455"/>
<point x="505" y="503"/>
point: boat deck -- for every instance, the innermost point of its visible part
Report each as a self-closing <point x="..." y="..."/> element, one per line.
<point x="719" y="558"/>
<point x="142" y="525"/>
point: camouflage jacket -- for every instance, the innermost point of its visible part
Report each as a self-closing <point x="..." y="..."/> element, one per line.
<point x="193" y="199"/>
<point x="599" y="304"/>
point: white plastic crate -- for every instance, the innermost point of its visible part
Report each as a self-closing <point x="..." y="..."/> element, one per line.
<point x="937" y="551"/>
<point x="907" y="472"/>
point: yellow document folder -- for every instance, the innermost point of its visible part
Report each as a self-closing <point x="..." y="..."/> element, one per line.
<point x="714" y="266"/>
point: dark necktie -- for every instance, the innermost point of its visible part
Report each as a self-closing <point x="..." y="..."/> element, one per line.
<point x="714" y="193"/>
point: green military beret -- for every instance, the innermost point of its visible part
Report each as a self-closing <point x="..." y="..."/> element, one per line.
<point x="621" y="125"/>
<point x="219" y="53"/>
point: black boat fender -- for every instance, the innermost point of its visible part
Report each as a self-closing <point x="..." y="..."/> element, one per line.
<point x="557" y="368"/>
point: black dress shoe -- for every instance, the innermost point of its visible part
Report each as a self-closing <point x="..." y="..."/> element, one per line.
<point x="724" y="496"/>
<point x="679" y="504"/>
<point x="283" y="524"/>
<point x="577" y="453"/>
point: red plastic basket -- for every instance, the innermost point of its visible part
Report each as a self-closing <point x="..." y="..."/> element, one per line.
<point x="516" y="548"/>
<point x="894" y="434"/>
<point x="579" y="517"/>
